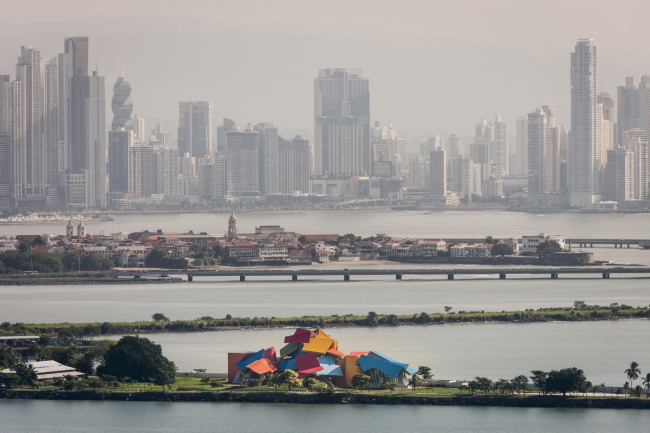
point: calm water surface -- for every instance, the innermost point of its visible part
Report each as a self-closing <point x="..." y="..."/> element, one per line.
<point x="365" y="223"/>
<point x="114" y="417"/>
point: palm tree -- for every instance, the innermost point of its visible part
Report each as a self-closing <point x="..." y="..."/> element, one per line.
<point x="646" y="384"/>
<point x="626" y="386"/>
<point x="633" y="372"/>
<point x="619" y="391"/>
<point x="414" y="381"/>
<point x="26" y="373"/>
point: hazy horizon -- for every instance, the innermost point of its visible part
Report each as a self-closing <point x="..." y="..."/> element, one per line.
<point x="433" y="68"/>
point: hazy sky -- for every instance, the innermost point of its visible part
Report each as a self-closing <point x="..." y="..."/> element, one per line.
<point x="433" y="66"/>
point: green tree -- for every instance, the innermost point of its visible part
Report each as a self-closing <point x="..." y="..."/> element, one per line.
<point x="23" y="247"/>
<point x="45" y="340"/>
<point x="414" y="382"/>
<point x="140" y="359"/>
<point x="360" y="381"/>
<point x="473" y="386"/>
<point x="159" y="317"/>
<point x="646" y="384"/>
<point x="490" y="240"/>
<point x="566" y="380"/>
<point x="626" y="388"/>
<point x="390" y="386"/>
<point x="520" y="383"/>
<point x="548" y="247"/>
<point x="26" y="373"/>
<point x="425" y="372"/>
<point x="8" y="357"/>
<point x="638" y="391"/>
<point x="483" y="383"/>
<point x="539" y="379"/>
<point x="65" y="355"/>
<point x="86" y="364"/>
<point x="302" y="239"/>
<point x="618" y="391"/>
<point x="308" y="383"/>
<point x="291" y="379"/>
<point x="502" y="250"/>
<point x="633" y="373"/>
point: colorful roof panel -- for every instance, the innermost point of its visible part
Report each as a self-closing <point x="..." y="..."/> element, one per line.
<point x="307" y="364"/>
<point x="392" y="369"/>
<point x="289" y="349"/>
<point x="262" y="366"/>
<point x="318" y="345"/>
<point x="300" y="336"/>
<point x="254" y="357"/>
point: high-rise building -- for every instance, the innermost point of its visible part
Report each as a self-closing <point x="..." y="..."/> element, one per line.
<point x="139" y="128"/>
<point x="243" y="163"/>
<point x="636" y="141"/>
<point x="206" y="174"/>
<point x="122" y="105"/>
<point x="163" y="138"/>
<point x="484" y="132"/>
<point x="169" y="171"/>
<point x="454" y="146"/>
<point x="629" y="109"/>
<point x="438" y="173"/>
<point x="294" y="161"/>
<point x="268" y="158"/>
<point x="584" y="164"/>
<point x="195" y="128"/>
<point x="619" y="175"/>
<point x="419" y="172"/>
<point x="540" y="160"/>
<point x="522" y="146"/>
<point x="118" y="160"/>
<point x="52" y="128"/>
<point x="140" y="169"/>
<point x="342" y="123"/>
<point x="499" y="145"/>
<point x="460" y="176"/>
<point x="32" y="159"/>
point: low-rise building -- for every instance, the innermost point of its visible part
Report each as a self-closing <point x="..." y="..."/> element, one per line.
<point x="529" y="244"/>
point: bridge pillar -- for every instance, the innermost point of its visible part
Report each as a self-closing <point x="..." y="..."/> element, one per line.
<point x="190" y="278"/>
<point x="294" y="277"/>
<point x="628" y="245"/>
<point x="554" y="276"/>
<point x="346" y="277"/>
<point x="242" y="277"/>
<point x="502" y="276"/>
<point x="398" y="276"/>
<point x="450" y="276"/>
<point x="605" y="275"/>
<point x="591" y="245"/>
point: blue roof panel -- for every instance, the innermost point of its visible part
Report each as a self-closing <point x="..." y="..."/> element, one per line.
<point x="254" y="357"/>
<point x="390" y="368"/>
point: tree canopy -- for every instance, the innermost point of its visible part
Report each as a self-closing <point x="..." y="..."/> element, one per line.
<point x="140" y="359"/>
<point x="548" y="247"/>
<point x="8" y="357"/>
<point x="360" y="380"/>
<point x="158" y="258"/>
<point x="566" y="380"/>
<point x="502" y="250"/>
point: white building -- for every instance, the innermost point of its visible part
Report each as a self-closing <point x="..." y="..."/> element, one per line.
<point x="529" y="244"/>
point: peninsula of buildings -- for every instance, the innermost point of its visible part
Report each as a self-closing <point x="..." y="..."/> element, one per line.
<point x="272" y="245"/>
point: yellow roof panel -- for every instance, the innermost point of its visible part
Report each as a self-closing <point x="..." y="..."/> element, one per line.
<point x="318" y="345"/>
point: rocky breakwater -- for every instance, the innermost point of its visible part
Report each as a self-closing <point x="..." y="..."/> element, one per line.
<point x="335" y="398"/>
<point x="68" y="281"/>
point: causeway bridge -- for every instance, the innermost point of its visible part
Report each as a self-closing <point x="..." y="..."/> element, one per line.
<point x="347" y="274"/>
<point x="574" y="242"/>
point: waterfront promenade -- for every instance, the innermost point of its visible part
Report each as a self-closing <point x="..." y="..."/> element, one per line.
<point x="294" y="274"/>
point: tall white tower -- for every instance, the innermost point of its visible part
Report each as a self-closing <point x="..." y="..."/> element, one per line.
<point x="584" y="164"/>
<point x="232" y="227"/>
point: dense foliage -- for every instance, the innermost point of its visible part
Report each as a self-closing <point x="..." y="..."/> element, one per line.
<point x="8" y="357"/>
<point x="158" y="258"/>
<point x="140" y="359"/>
<point x="15" y="261"/>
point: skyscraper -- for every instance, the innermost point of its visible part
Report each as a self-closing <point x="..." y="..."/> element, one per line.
<point x="438" y="173"/>
<point x="294" y="157"/>
<point x="620" y="175"/>
<point x="499" y="146"/>
<point x="122" y="105"/>
<point x="195" y="128"/>
<point x="32" y="159"/>
<point x="268" y="158"/>
<point x="584" y="164"/>
<point x="118" y="160"/>
<point x="540" y="168"/>
<point x="342" y="123"/>
<point x="522" y="146"/>
<point x="140" y="169"/>
<point x="242" y="163"/>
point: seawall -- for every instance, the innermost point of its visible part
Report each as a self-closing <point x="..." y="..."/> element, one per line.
<point x="337" y="398"/>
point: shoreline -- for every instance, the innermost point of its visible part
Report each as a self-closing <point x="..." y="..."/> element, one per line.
<point x="554" y="401"/>
<point x="210" y="324"/>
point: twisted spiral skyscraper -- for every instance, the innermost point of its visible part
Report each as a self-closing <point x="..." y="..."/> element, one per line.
<point x="122" y="105"/>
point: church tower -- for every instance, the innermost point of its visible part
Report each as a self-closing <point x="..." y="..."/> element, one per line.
<point x="69" y="229"/>
<point x="232" y="227"/>
<point x="81" y="229"/>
